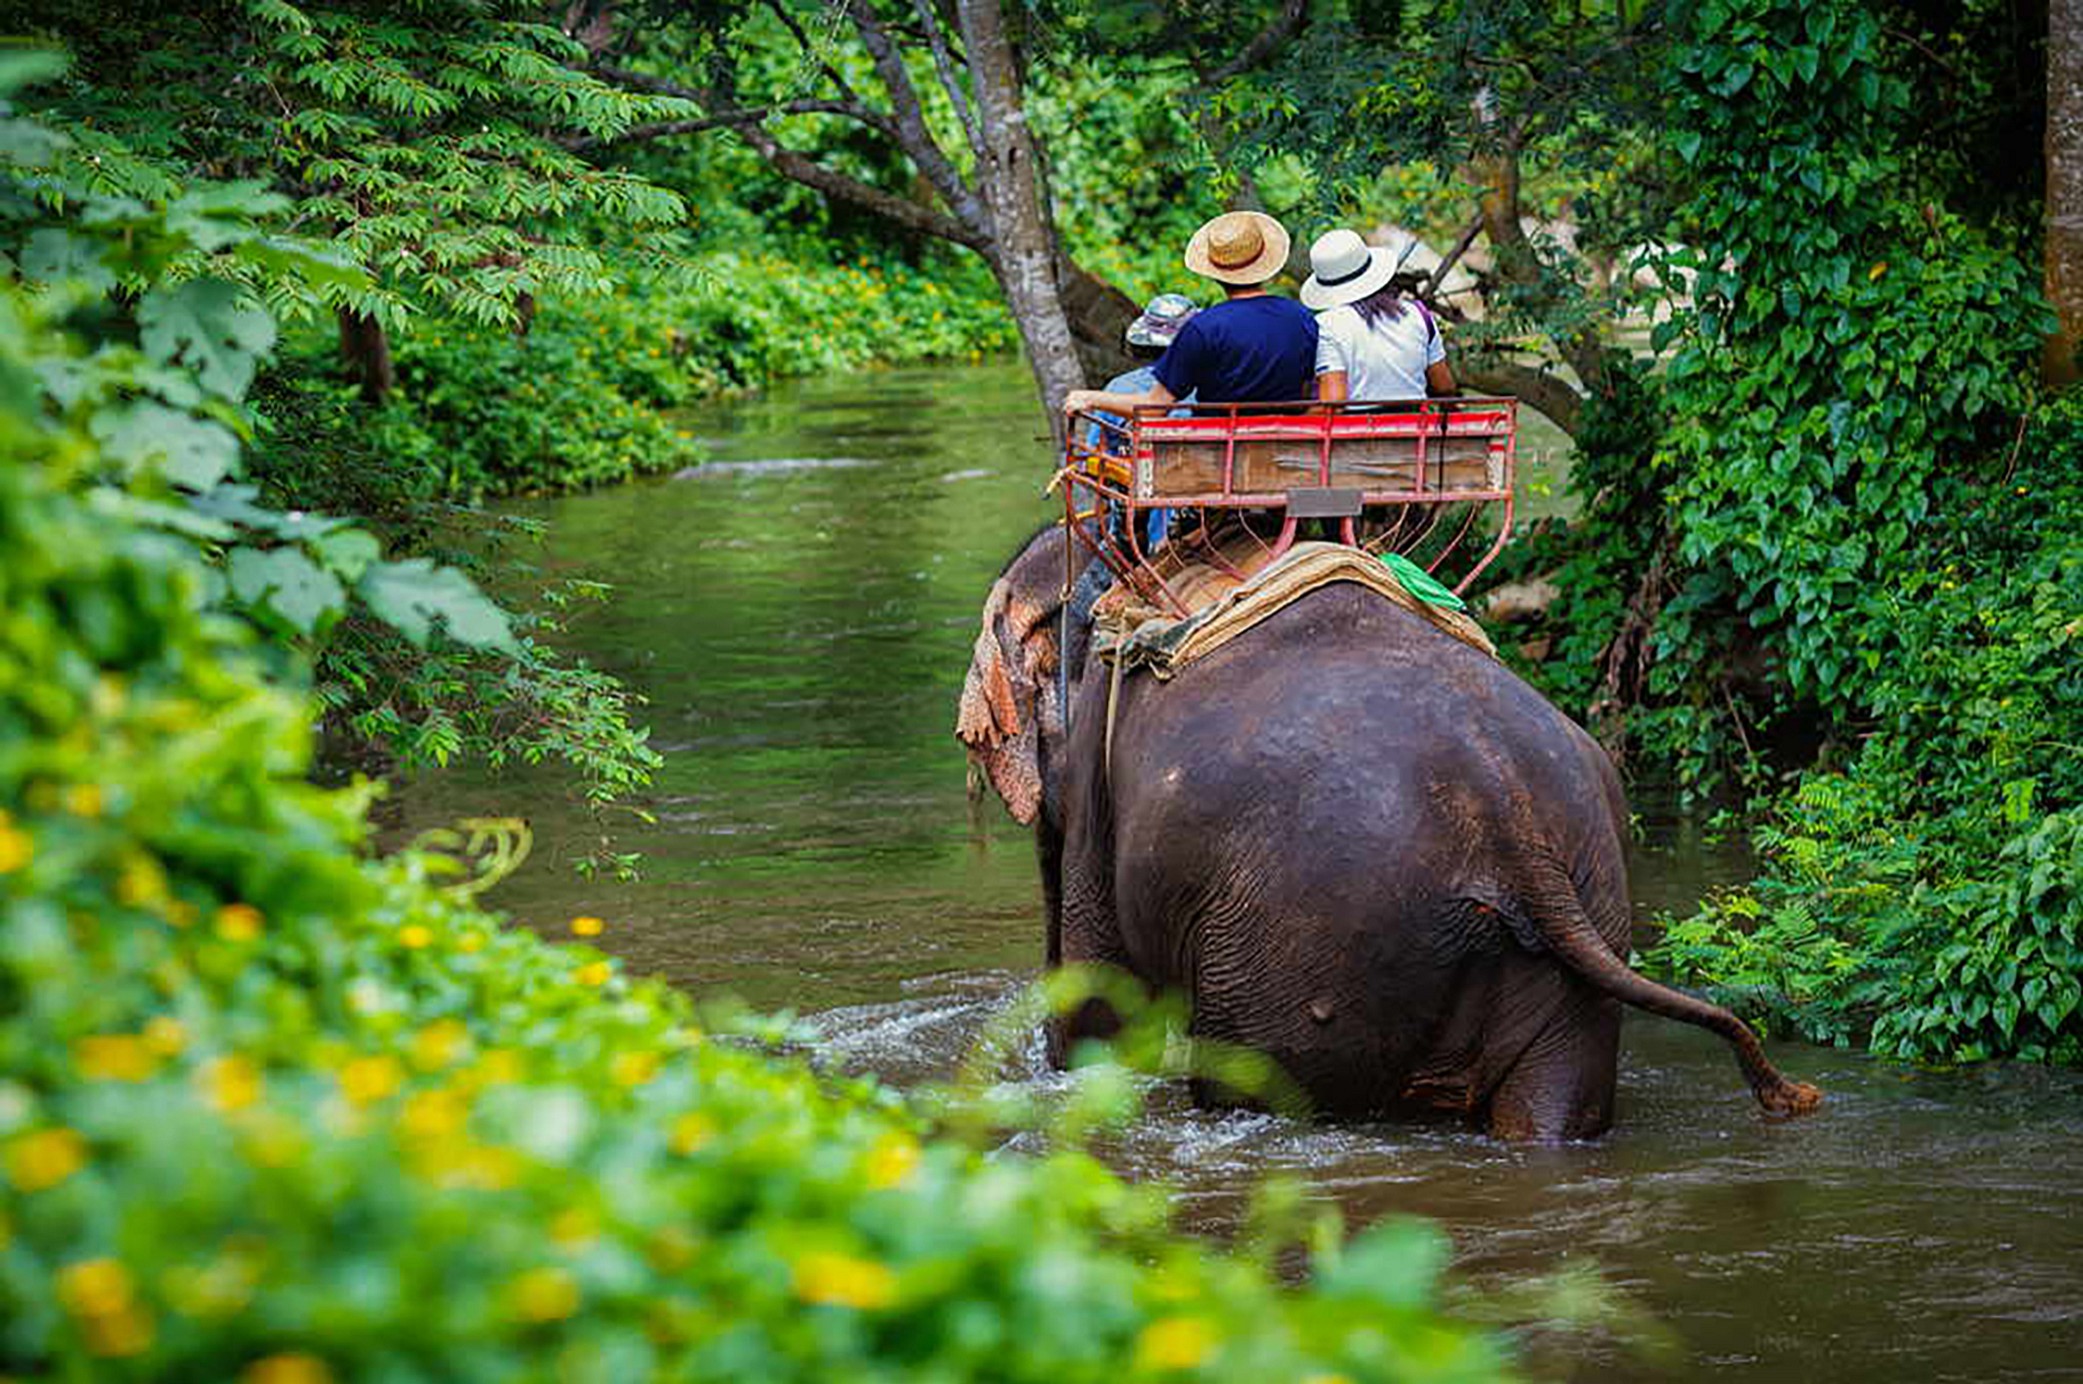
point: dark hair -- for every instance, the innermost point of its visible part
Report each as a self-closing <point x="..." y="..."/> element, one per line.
<point x="1145" y="353"/>
<point x="1231" y="290"/>
<point x="1385" y="304"/>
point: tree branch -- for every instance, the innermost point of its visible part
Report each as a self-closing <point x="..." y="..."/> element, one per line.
<point x="945" y="66"/>
<point x="901" y="210"/>
<point x="1445" y="267"/>
<point x="810" y="53"/>
<point x="912" y="133"/>
<point x="1293" y="15"/>
<point x="1550" y="394"/>
<point x="663" y="129"/>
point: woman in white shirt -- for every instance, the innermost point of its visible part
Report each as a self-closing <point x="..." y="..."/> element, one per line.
<point x="1372" y="343"/>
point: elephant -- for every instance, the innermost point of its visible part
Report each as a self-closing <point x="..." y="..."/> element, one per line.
<point x="1355" y="843"/>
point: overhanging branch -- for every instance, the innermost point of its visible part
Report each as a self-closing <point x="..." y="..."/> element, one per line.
<point x="911" y="131"/>
<point x="664" y="129"/>
<point x="1293" y="15"/>
<point x="901" y="210"/>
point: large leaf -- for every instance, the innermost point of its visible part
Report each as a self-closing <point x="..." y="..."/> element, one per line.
<point x="284" y="581"/>
<point x="347" y="551"/>
<point x="189" y="451"/>
<point x="414" y="593"/>
<point x="238" y="504"/>
<point x="53" y="255"/>
<point x="118" y="503"/>
<point x="212" y="328"/>
<point x="316" y="264"/>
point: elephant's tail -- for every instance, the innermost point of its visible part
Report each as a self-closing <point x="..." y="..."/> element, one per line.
<point x="1567" y="931"/>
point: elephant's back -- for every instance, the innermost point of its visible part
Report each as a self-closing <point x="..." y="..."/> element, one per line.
<point x="1344" y="726"/>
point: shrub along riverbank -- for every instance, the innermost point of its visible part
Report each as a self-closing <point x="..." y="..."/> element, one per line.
<point x="586" y="397"/>
<point x="1833" y="547"/>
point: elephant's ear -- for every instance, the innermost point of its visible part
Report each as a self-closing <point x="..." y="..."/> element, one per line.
<point x="1007" y="695"/>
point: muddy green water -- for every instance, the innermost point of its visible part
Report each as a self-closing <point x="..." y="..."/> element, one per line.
<point x="799" y="614"/>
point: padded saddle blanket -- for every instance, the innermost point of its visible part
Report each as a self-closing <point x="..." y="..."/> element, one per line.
<point x="1136" y="636"/>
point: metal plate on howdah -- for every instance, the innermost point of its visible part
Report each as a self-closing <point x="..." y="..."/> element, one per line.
<point x="1320" y="502"/>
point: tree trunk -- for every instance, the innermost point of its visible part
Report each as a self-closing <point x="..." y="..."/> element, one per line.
<point x="367" y="351"/>
<point x="2064" y="252"/>
<point x="1022" y="252"/>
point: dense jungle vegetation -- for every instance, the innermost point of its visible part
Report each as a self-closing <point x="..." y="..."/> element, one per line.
<point x="292" y="285"/>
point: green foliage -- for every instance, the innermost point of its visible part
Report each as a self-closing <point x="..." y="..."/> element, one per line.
<point x="585" y="398"/>
<point x="423" y="143"/>
<point x="270" y="1112"/>
<point x="1928" y="897"/>
<point x="1855" y="348"/>
<point x="163" y="348"/>
<point x="1838" y="389"/>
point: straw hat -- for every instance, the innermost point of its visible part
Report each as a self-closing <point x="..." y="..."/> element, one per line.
<point x="1238" y="247"/>
<point x="1346" y="269"/>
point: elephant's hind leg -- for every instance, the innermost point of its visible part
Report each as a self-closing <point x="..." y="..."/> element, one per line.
<point x="1561" y="1086"/>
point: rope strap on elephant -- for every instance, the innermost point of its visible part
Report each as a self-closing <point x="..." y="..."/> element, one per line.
<point x="1136" y="636"/>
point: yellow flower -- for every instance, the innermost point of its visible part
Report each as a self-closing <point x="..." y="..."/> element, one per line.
<point x="586" y="925"/>
<point x="486" y="1167"/>
<point x="892" y="1161"/>
<point x="114" y="1057"/>
<point x="164" y="1035"/>
<point x="366" y="1080"/>
<point x="140" y="883"/>
<point x="84" y="799"/>
<point x="230" y="1083"/>
<point x="573" y="1226"/>
<point x="593" y="973"/>
<point x="1174" y="1343"/>
<point x="98" y="1292"/>
<point x="841" y="1280"/>
<point x="1877" y="270"/>
<point x="471" y="942"/>
<point x="292" y="1368"/>
<point x="691" y="1132"/>
<point x="439" y="1044"/>
<point x="413" y="936"/>
<point x="17" y="847"/>
<point x="498" y="1067"/>
<point x="94" y="1287"/>
<point x="238" y="922"/>
<point x="433" y="1115"/>
<point x="545" y="1295"/>
<point x="633" y="1068"/>
<point x="45" y="1158"/>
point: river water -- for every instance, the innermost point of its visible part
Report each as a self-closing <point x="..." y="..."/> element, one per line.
<point x="799" y="613"/>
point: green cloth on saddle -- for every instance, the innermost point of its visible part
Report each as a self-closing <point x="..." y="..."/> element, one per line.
<point x="1137" y="637"/>
<point x="1421" y="583"/>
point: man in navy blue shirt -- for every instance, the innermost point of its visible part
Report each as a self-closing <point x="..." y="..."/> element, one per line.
<point x="1250" y="348"/>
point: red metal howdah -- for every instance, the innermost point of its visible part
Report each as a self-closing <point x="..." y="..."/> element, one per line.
<point x="1388" y="472"/>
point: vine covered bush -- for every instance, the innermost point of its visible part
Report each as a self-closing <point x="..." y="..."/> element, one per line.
<point x="1927" y="897"/>
<point x="1838" y="542"/>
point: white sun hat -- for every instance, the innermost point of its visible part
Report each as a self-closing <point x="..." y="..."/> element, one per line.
<point x="1345" y="269"/>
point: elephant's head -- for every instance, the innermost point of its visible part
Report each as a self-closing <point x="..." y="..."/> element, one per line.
<point x="1011" y="711"/>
